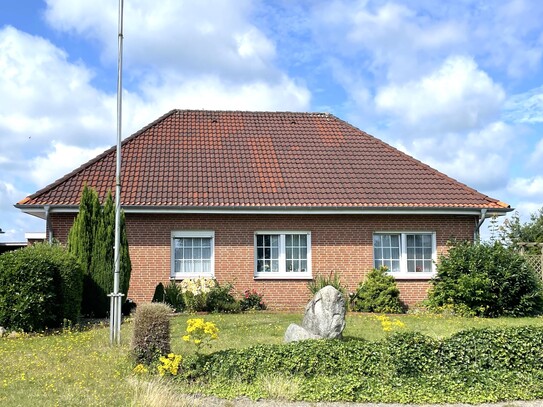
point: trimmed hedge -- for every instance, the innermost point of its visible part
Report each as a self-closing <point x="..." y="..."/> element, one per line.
<point x="466" y="355"/>
<point x="151" y="336"/>
<point x="40" y="287"/>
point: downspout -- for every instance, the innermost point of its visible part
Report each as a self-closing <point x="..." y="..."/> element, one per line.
<point x="476" y="233"/>
<point x="48" y="230"/>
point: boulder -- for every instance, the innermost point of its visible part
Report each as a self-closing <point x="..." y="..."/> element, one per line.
<point x="2" y="331"/>
<point x="325" y="313"/>
<point x="324" y="317"/>
<point x="297" y="333"/>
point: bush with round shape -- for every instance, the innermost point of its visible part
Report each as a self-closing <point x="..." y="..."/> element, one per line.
<point x="40" y="287"/>
<point x="378" y="293"/>
<point x="220" y="299"/>
<point x="151" y="336"/>
<point x="485" y="280"/>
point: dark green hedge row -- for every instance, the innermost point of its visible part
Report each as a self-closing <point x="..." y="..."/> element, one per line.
<point x="40" y="286"/>
<point x="407" y="354"/>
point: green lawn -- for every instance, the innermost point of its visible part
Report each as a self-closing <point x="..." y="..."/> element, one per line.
<point x="80" y="368"/>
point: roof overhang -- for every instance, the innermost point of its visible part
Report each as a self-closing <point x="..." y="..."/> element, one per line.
<point x="40" y="210"/>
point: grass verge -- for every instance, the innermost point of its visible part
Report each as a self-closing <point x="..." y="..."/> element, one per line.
<point x="80" y="368"/>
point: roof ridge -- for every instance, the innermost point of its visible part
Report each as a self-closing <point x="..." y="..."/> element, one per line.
<point x="252" y="112"/>
<point x="437" y="172"/>
<point x="84" y="166"/>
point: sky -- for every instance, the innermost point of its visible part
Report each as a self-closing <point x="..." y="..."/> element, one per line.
<point x="457" y="84"/>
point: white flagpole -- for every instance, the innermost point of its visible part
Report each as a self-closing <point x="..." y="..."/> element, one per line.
<point x="115" y="308"/>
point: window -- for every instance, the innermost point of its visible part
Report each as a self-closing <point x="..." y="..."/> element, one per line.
<point x="407" y="255"/>
<point x="283" y="255"/>
<point x="192" y="254"/>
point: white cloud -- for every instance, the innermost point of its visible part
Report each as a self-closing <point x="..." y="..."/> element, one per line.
<point x="46" y="96"/>
<point x="58" y="162"/>
<point x="526" y="107"/>
<point x="188" y="36"/>
<point x="526" y="208"/>
<point x="536" y="158"/>
<point x="210" y="92"/>
<point x="458" y="96"/>
<point x="12" y="221"/>
<point x="479" y="159"/>
<point x="527" y="187"/>
<point x="408" y="37"/>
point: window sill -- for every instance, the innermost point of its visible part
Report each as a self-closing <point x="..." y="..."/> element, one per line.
<point x="277" y="276"/>
<point x="184" y="276"/>
<point x="413" y="276"/>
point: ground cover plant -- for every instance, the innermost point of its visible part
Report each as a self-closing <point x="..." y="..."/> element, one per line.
<point x="80" y="368"/>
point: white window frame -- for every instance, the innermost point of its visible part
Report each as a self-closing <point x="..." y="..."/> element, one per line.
<point x="282" y="273"/>
<point x="192" y="234"/>
<point x="404" y="274"/>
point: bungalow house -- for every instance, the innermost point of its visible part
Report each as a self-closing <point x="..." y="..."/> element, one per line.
<point x="269" y="200"/>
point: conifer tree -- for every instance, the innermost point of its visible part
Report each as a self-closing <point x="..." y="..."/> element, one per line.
<point x="102" y="262"/>
<point x="92" y="240"/>
<point x="126" y="265"/>
<point x="81" y="240"/>
<point x="81" y="235"/>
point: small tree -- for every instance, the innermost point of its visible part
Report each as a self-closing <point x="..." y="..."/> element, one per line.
<point x="513" y="231"/>
<point x="485" y="280"/>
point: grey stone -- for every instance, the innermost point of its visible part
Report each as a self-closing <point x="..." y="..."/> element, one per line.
<point x="297" y="333"/>
<point x="2" y="331"/>
<point x="325" y="314"/>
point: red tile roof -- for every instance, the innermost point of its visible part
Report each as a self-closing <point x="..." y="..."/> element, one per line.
<point x="262" y="159"/>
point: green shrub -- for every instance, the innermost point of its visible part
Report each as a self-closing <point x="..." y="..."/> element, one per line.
<point x="40" y="287"/>
<point x="410" y="359"/>
<point x="195" y="291"/>
<point x="304" y="358"/>
<point x="252" y="300"/>
<point x="485" y="280"/>
<point x="320" y="281"/>
<point x="220" y="299"/>
<point x="158" y="296"/>
<point x="71" y="282"/>
<point x="174" y="297"/>
<point x="513" y="348"/>
<point x="411" y="353"/>
<point x="378" y="293"/>
<point x="151" y="336"/>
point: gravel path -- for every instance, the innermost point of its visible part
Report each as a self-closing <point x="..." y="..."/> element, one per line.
<point x="214" y="402"/>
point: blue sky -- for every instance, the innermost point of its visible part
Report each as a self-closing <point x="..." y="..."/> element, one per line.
<point x="456" y="84"/>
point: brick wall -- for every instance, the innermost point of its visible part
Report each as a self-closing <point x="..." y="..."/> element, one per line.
<point x="340" y="243"/>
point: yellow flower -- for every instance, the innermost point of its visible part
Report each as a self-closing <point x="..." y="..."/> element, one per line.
<point x="140" y="369"/>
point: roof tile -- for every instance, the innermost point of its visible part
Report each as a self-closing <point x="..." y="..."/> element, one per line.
<point x="261" y="159"/>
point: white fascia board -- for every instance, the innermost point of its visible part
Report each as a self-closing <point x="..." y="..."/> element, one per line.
<point x="39" y="211"/>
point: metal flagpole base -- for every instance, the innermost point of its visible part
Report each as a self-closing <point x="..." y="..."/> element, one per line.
<point x="115" y="318"/>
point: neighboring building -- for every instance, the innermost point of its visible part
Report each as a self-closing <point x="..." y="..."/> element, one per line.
<point x="268" y="200"/>
<point x="31" y="238"/>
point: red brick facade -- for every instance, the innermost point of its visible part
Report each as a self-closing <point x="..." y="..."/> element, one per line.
<point x="341" y="243"/>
